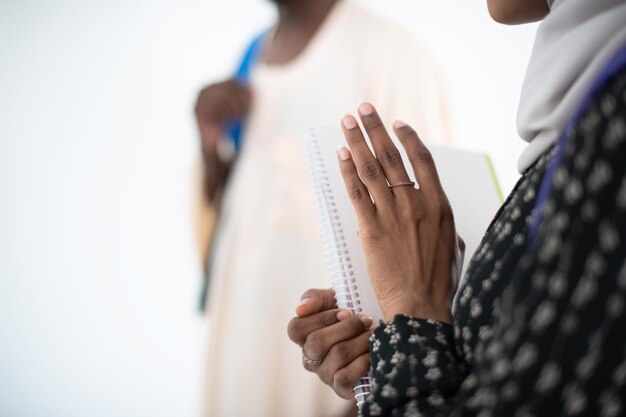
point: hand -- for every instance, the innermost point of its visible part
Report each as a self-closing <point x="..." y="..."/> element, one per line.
<point x="217" y="105"/>
<point x="337" y="337"/>
<point x="413" y="253"/>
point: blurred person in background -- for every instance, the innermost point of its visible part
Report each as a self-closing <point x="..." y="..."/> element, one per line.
<point x="320" y="58"/>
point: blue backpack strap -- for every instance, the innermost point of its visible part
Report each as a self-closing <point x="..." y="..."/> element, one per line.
<point x="617" y="64"/>
<point x="248" y="62"/>
<point x="234" y="130"/>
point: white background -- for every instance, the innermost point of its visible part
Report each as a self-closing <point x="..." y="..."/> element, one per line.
<point x="98" y="273"/>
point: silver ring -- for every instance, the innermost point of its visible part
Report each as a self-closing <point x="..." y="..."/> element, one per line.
<point x="401" y="184"/>
<point x="310" y="361"/>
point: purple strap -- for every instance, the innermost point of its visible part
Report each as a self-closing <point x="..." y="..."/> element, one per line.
<point x="615" y="66"/>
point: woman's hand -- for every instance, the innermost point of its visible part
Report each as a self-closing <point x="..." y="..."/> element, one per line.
<point x="413" y="254"/>
<point x="334" y="340"/>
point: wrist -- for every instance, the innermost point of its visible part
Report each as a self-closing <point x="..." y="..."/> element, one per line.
<point x="418" y="309"/>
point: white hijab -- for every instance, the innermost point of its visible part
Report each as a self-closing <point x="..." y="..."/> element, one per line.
<point x="573" y="45"/>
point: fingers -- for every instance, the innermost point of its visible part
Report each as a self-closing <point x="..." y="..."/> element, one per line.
<point x="347" y="377"/>
<point x="318" y="343"/>
<point x="339" y="341"/>
<point x="300" y="328"/>
<point x="367" y="166"/>
<point x="222" y="102"/>
<point x="357" y="191"/>
<point x="386" y="152"/>
<point x="314" y="300"/>
<point x="419" y="156"/>
<point x="346" y="363"/>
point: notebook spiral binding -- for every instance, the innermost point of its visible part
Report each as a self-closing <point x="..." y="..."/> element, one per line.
<point x="335" y="249"/>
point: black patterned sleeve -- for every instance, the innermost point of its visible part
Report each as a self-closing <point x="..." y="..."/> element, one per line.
<point x="430" y="370"/>
<point x="558" y="344"/>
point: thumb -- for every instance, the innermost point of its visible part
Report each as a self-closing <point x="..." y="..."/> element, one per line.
<point x="314" y="301"/>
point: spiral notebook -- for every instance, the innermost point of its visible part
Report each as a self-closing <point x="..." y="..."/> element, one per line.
<point x="467" y="177"/>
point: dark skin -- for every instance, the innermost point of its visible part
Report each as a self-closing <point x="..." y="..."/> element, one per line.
<point x="517" y="12"/>
<point x="321" y="330"/>
<point x="298" y="21"/>
<point x="222" y="102"/>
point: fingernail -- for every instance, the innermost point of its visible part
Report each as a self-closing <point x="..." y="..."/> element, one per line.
<point x="398" y="124"/>
<point x="366" y="320"/>
<point x="344" y="153"/>
<point x="349" y="122"/>
<point x="366" y="109"/>
<point x="304" y="301"/>
<point x="343" y="314"/>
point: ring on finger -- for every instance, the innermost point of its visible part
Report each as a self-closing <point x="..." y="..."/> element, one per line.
<point x="402" y="184"/>
<point x="314" y="362"/>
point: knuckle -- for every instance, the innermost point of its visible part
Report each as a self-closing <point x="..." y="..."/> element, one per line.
<point x="370" y="236"/>
<point x="341" y="352"/>
<point x="315" y="345"/>
<point x="406" y="132"/>
<point x="423" y="156"/>
<point x="294" y="330"/>
<point x="410" y="211"/>
<point x="310" y="293"/>
<point x="374" y="123"/>
<point x="327" y="319"/>
<point x="370" y="170"/>
<point x="356" y="325"/>
<point x="391" y="156"/>
<point x="343" y="380"/>
<point x="328" y="298"/>
<point x="357" y="193"/>
<point x="353" y="139"/>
